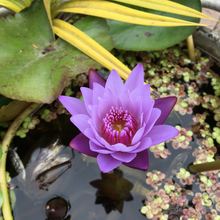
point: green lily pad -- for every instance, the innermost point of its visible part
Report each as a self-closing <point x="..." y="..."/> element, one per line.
<point x="33" y="67"/>
<point x="139" y="37"/>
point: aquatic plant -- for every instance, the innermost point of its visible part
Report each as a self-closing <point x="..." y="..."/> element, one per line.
<point x="184" y="106"/>
<point x="164" y="202"/>
<point x="119" y="122"/>
<point x="159" y="150"/>
<point x="200" y="201"/>
<point x="178" y="196"/>
<point x="212" y="215"/>
<point x="185" y="177"/>
<point x="183" y="138"/>
<point x="190" y="213"/>
<point x="177" y="89"/>
<point x="29" y="123"/>
<point x="195" y="97"/>
<point x="155" y="178"/>
<point x="216" y="134"/>
<point x="114" y="24"/>
<point x="157" y="201"/>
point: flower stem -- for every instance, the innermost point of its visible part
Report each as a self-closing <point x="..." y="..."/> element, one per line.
<point x="203" y="167"/>
<point x="190" y="46"/>
<point x="6" y="208"/>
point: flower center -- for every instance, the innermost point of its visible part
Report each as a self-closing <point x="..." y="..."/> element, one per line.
<point x="119" y="126"/>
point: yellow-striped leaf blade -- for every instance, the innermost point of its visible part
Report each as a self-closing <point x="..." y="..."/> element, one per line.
<point x="118" y="12"/>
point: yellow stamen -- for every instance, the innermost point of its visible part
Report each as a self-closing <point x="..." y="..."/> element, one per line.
<point x="119" y="126"/>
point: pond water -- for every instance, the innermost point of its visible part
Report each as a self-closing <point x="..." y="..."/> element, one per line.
<point x="75" y="185"/>
<point x="122" y="194"/>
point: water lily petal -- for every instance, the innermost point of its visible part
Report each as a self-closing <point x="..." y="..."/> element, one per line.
<point x="126" y="102"/>
<point x="155" y="114"/>
<point x="140" y="161"/>
<point x="141" y="120"/>
<point x="81" y="144"/>
<point x="115" y="83"/>
<point x="80" y="121"/>
<point x="103" y="108"/>
<point x="124" y="156"/>
<point x="95" y="77"/>
<point x="102" y="141"/>
<point x="134" y="107"/>
<point x="138" y="111"/>
<point x="136" y="78"/>
<point x="109" y="99"/>
<point x="73" y="105"/>
<point x="96" y="121"/>
<point x="107" y="163"/>
<point x="138" y="135"/>
<point x="143" y="91"/>
<point x="161" y="133"/>
<point x="147" y="106"/>
<point x="145" y="143"/>
<point x="97" y="94"/>
<point x="87" y="96"/>
<point x="90" y="134"/>
<point x="112" y="98"/>
<point x="165" y="105"/>
<point x="123" y="148"/>
<point x="98" y="149"/>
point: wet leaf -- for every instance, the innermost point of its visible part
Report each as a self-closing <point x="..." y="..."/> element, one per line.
<point x="8" y="112"/>
<point x="139" y="38"/>
<point x="33" y="67"/>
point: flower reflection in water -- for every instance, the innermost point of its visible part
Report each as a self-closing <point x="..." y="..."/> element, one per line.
<point x="113" y="190"/>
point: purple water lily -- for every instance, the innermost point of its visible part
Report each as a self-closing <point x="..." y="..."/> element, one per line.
<point x="118" y="121"/>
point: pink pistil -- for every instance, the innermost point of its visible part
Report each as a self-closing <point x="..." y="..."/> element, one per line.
<point x="119" y="126"/>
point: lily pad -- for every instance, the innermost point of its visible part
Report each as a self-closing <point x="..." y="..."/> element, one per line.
<point x="139" y="37"/>
<point x="4" y="101"/>
<point x="8" y="112"/>
<point x="34" y="68"/>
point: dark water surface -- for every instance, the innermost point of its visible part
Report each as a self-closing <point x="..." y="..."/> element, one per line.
<point x="74" y="185"/>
